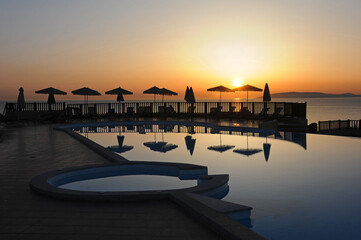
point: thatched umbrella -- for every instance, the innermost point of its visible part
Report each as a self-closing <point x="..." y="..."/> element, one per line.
<point x="86" y="92"/>
<point x="153" y="90"/>
<point x="220" y="89"/>
<point x="248" y="88"/>
<point x="51" y="91"/>
<point x="119" y="92"/>
<point x="164" y="91"/>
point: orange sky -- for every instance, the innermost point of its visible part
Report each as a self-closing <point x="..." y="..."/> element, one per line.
<point x="139" y="44"/>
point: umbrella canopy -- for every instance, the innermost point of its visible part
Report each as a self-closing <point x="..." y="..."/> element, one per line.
<point x="190" y="144"/>
<point x="186" y="95"/>
<point x="119" y="92"/>
<point x="266" y="94"/>
<point x="21" y="99"/>
<point x="221" y="147"/>
<point x="160" y="146"/>
<point x="220" y="89"/>
<point x="86" y="92"/>
<point x="266" y="150"/>
<point x="248" y="88"/>
<point x="153" y="90"/>
<point x="189" y="96"/>
<point x="51" y="91"/>
<point x="164" y="91"/>
<point x="247" y="151"/>
<point x="120" y="148"/>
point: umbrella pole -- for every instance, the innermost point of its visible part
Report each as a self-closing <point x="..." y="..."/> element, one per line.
<point x="247" y="97"/>
<point x="220" y="99"/>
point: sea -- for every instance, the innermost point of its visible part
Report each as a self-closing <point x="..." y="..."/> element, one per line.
<point x="318" y="109"/>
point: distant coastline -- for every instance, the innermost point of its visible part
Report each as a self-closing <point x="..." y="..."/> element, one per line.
<point x="312" y="95"/>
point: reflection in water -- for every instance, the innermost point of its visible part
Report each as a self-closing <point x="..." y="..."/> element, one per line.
<point x="120" y="148"/>
<point x="190" y="144"/>
<point x="221" y="147"/>
<point x="160" y="146"/>
<point x="294" y="195"/>
<point x="266" y="150"/>
<point x="248" y="151"/>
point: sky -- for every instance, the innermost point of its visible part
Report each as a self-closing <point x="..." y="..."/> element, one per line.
<point x="309" y="45"/>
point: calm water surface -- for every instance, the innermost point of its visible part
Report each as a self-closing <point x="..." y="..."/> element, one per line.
<point x="303" y="191"/>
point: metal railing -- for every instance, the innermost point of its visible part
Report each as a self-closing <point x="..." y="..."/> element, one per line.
<point x="275" y="109"/>
<point x="338" y="124"/>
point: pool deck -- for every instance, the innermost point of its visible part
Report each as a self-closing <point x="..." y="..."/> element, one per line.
<point x="28" y="150"/>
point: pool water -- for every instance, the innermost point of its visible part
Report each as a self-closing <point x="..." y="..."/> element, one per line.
<point x="130" y="183"/>
<point x="302" y="186"/>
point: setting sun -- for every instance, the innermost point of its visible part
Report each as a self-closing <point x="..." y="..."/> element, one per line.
<point x="237" y="82"/>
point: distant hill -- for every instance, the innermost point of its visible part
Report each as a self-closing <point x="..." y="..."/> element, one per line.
<point x="311" y="95"/>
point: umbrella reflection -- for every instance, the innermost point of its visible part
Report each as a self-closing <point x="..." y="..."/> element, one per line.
<point x="248" y="151"/>
<point x="120" y="148"/>
<point x="190" y="144"/>
<point x="221" y="147"/>
<point x="160" y="146"/>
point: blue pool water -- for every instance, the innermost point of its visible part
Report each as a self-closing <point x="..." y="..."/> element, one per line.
<point x="301" y="186"/>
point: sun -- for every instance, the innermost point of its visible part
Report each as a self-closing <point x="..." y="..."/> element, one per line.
<point x="237" y="82"/>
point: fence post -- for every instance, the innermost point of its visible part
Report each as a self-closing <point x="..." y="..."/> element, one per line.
<point x="359" y="123"/>
<point x="205" y="108"/>
<point x="348" y="123"/>
<point x="35" y="106"/>
<point x="252" y="107"/>
<point x="339" y="124"/>
<point x="178" y="106"/>
<point x="319" y="124"/>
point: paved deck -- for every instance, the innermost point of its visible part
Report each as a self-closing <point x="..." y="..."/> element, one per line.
<point x="27" y="151"/>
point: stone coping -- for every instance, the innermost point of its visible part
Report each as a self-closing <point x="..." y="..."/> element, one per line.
<point x="48" y="183"/>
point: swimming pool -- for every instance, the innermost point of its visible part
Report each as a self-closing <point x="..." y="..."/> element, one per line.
<point x="301" y="186"/>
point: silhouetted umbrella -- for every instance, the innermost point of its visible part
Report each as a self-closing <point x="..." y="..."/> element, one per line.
<point x="21" y="99"/>
<point x="168" y="92"/>
<point x="153" y="90"/>
<point x="189" y="95"/>
<point x="247" y="151"/>
<point x="86" y="92"/>
<point x="119" y="92"/>
<point x="221" y="147"/>
<point x="266" y="94"/>
<point x="266" y="150"/>
<point x="190" y="144"/>
<point x="220" y="89"/>
<point x="160" y="146"/>
<point x="120" y="148"/>
<point x="51" y="91"/>
<point x="186" y="95"/>
<point x="248" y="88"/>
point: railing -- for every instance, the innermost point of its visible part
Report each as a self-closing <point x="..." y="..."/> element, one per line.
<point x="338" y="124"/>
<point x="36" y="107"/>
<point x="275" y="109"/>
